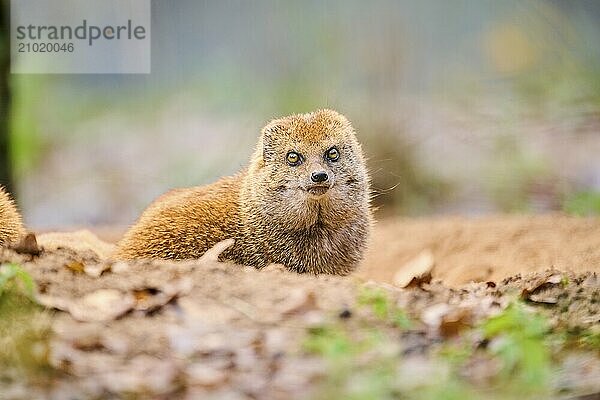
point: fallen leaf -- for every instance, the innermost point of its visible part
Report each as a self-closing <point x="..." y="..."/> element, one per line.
<point x="591" y="281"/>
<point x="415" y="272"/>
<point x="101" y="305"/>
<point x="543" y="298"/>
<point x="432" y="315"/>
<point x="150" y="299"/>
<point x="299" y="301"/>
<point x="547" y="278"/>
<point x="95" y="270"/>
<point x="28" y="245"/>
<point x="76" y="267"/>
<point x="455" y="321"/>
<point x="541" y="282"/>
<point x="55" y="302"/>
<point x="120" y="267"/>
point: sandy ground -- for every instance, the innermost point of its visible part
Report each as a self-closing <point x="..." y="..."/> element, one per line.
<point x="203" y="329"/>
<point x="486" y="248"/>
<point x="463" y="249"/>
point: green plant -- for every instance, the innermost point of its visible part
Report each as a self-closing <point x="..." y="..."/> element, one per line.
<point x="584" y="338"/>
<point x="583" y="203"/>
<point x="378" y="300"/>
<point x="519" y="340"/>
<point x="329" y="341"/>
<point x="13" y="275"/>
<point x="24" y="326"/>
<point x="513" y="174"/>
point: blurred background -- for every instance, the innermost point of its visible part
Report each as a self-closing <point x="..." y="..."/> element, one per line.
<point x="463" y="107"/>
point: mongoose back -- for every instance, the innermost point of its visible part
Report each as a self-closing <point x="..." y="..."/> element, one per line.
<point x="11" y="227"/>
<point x="304" y="202"/>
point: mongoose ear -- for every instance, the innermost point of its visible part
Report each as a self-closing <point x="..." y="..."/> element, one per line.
<point x="269" y="136"/>
<point x="272" y="129"/>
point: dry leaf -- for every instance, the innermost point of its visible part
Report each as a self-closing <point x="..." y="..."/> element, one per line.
<point x="532" y="290"/>
<point x="446" y="320"/>
<point x="432" y="315"/>
<point x="95" y="270"/>
<point x="543" y="280"/>
<point x="299" y="301"/>
<point x="76" y="267"/>
<point x="415" y="272"/>
<point x="543" y="298"/>
<point x="150" y="299"/>
<point x="28" y="245"/>
<point x="591" y="281"/>
<point x="455" y="321"/>
<point x="120" y="267"/>
<point x="55" y="302"/>
<point x="101" y="305"/>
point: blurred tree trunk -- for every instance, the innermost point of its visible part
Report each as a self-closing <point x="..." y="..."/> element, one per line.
<point x="5" y="162"/>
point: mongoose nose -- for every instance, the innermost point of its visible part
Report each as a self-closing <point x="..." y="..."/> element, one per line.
<point x="319" y="177"/>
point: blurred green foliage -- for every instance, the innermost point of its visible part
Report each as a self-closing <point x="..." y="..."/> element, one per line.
<point x="380" y="303"/>
<point x="519" y="340"/>
<point x="329" y="341"/>
<point x="24" y="326"/>
<point x="536" y="58"/>
<point x="27" y="143"/>
<point x="14" y="277"/>
<point x="515" y="175"/>
<point x="400" y="180"/>
<point x="583" y="203"/>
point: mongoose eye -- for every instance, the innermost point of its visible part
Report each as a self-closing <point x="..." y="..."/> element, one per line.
<point x="293" y="158"/>
<point x="332" y="154"/>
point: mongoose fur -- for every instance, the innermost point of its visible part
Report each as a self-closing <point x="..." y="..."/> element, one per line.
<point x="304" y="202"/>
<point x="11" y="226"/>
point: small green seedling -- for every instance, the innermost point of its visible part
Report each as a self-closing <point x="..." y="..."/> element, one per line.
<point x="12" y="274"/>
<point x="519" y="341"/>
<point x="329" y="341"/>
<point x="383" y="307"/>
<point x="583" y="203"/>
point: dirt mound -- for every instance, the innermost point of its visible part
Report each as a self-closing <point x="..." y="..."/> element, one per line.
<point x="463" y="249"/>
<point x="205" y="329"/>
<point x="486" y="248"/>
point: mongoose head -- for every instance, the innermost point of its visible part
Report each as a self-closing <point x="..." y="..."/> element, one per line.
<point x="311" y="168"/>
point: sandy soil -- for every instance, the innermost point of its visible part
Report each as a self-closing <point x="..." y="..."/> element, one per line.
<point x="205" y="329"/>
<point x="486" y="248"/>
<point x="464" y="249"/>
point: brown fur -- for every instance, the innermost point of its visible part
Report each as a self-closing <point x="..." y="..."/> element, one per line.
<point x="11" y="227"/>
<point x="267" y="208"/>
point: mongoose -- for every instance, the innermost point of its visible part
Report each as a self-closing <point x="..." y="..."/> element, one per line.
<point x="304" y="202"/>
<point x="11" y="227"/>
